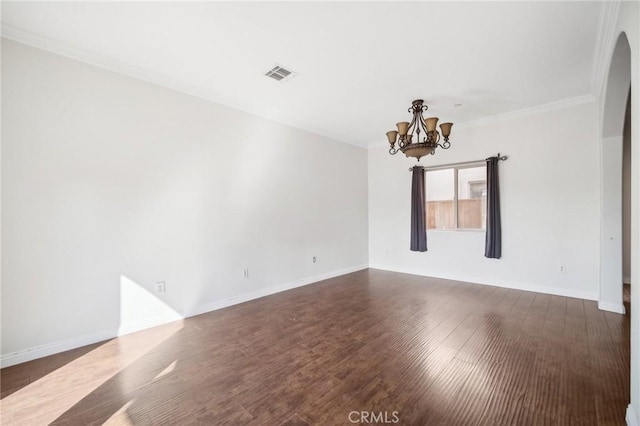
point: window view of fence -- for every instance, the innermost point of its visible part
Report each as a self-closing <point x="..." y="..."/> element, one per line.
<point x="467" y="186"/>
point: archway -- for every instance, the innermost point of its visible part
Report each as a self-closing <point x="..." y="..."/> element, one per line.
<point x="611" y="229"/>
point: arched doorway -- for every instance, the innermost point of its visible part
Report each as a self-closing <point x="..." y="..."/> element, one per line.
<point x="612" y="142"/>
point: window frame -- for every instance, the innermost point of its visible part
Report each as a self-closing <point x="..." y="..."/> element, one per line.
<point x="455" y="168"/>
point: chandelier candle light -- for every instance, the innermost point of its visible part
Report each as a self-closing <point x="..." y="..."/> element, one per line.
<point x="419" y="148"/>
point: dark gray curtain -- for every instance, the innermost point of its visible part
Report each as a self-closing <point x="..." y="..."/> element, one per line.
<point x="493" y="239"/>
<point x="418" y="221"/>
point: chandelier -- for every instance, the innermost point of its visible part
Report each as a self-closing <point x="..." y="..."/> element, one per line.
<point x="419" y="147"/>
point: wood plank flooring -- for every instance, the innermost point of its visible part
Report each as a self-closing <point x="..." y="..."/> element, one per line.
<point x="363" y="348"/>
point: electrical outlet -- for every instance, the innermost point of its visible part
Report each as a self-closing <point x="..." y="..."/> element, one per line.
<point x="563" y="269"/>
<point x="161" y="287"/>
<point x="314" y="259"/>
<point x="245" y="273"/>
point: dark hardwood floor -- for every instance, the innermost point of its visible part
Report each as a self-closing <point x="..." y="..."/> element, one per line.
<point x="371" y="345"/>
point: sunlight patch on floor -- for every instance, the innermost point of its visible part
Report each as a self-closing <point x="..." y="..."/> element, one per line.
<point x="120" y="417"/>
<point x="46" y="399"/>
<point x="167" y="370"/>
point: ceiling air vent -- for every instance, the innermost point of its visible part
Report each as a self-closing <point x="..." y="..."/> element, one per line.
<point x="279" y="73"/>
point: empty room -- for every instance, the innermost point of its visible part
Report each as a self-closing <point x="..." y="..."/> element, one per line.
<point x="320" y="213"/>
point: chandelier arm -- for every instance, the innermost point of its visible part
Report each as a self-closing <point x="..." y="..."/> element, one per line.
<point x="412" y="125"/>
<point x="424" y="127"/>
<point x="445" y="145"/>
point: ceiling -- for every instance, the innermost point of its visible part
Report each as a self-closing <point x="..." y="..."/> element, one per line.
<point x="358" y="65"/>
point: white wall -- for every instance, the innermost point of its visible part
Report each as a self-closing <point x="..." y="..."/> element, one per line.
<point x="109" y="182"/>
<point x="550" y="205"/>
<point x="614" y="104"/>
<point x="629" y="23"/>
<point x="610" y="297"/>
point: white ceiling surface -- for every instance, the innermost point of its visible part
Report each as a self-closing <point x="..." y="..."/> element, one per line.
<point x="359" y="65"/>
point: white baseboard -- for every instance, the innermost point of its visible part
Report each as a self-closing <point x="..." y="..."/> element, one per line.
<point x="504" y="284"/>
<point x="631" y="418"/>
<point x="618" y="308"/>
<point x="18" y="357"/>
<point x="241" y="298"/>
<point x="13" y="358"/>
<point x="135" y="326"/>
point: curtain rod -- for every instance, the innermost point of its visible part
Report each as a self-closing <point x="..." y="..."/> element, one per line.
<point x="441" y="166"/>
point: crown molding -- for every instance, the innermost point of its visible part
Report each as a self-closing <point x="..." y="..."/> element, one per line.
<point x="63" y="49"/>
<point x="30" y="39"/>
<point x="25" y="37"/>
<point x="609" y="11"/>
<point x="538" y="109"/>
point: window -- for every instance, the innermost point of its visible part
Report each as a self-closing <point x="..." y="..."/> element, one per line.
<point x="457" y="197"/>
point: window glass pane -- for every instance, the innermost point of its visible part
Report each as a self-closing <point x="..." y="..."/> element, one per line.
<point x="472" y="198"/>
<point x="440" y="192"/>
